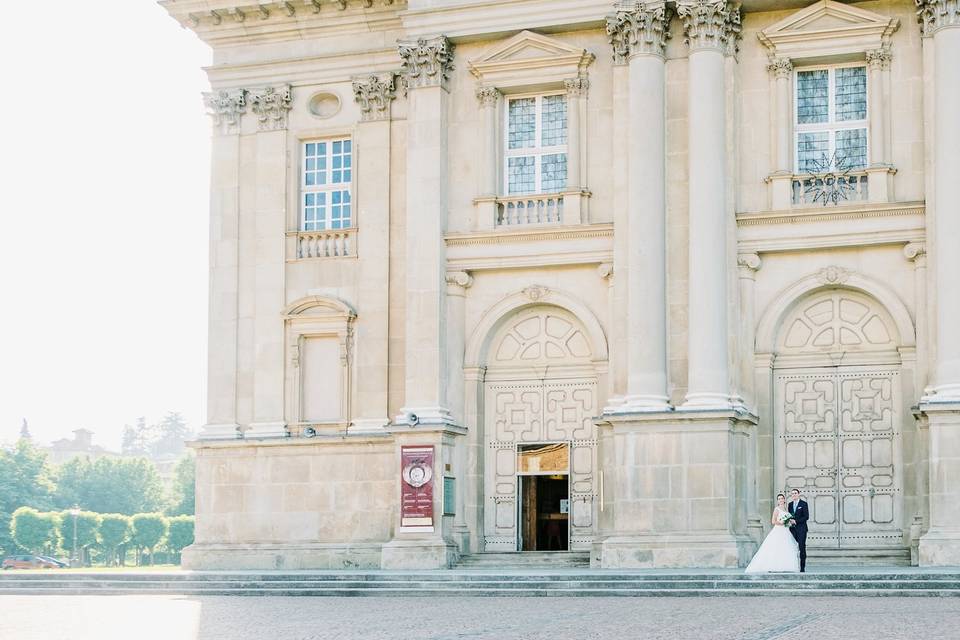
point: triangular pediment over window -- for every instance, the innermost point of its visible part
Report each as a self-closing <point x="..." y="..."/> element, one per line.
<point x="529" y="57"/>
<point x="828" y="28"/>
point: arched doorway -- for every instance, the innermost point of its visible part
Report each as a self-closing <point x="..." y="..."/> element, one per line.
<point x="540" y="446"/>
<point x="838" y="416"/>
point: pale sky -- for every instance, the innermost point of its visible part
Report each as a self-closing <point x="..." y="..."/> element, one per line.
<point x="104" y="165"/>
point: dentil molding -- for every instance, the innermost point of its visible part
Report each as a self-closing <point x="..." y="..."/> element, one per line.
<point x="642" y="28"/>
<point x="427" y="62"/>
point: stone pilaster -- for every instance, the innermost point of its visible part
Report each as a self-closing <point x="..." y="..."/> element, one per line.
<point x="747" y="266"/>
<point x="781" y="180"/>
<point x="577" y="89"/>
<point x="225" y="108"/>
<point x="940" y="545"/>
<point x="490" y="133"/>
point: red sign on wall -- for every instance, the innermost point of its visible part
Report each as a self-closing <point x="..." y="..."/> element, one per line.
<point x="416" y="482"/>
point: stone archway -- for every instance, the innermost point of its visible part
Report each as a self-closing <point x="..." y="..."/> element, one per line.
<point x="540" y="387"/>
<point x="838" y="415"/>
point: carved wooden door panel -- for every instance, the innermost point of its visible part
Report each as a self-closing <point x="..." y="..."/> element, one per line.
<point x="838" y="442"/>
<point x="806" y="449"/>
<point x="869" y="470"/>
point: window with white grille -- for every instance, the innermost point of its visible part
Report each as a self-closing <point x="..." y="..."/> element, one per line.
<point x="535" y="144"/>
<point x="325" y="185"/>
<point x="831" y="119"/>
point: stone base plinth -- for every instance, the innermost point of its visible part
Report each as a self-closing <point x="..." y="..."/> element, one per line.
<point x="418" y="554"/>
<point x="209" y="557"/>
<point x="940" y="548"/>
<point x="673" y="551"/>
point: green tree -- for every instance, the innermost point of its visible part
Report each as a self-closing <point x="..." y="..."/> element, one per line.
<point x="25" y="481"/>
<point x="115" y="531"/>
<point x="109" y="485"/>
<point x="180" y="533"/>
<point x="170" y="434"/>
<point x="88" y="525"/>
<point x="35" y="531"/>
<point x="136" y="439"/>
<point x="183" y="492"/>
<point x="148" y="530"/>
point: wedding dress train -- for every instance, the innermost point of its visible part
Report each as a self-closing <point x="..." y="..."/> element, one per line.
<point x="779" y="552"/>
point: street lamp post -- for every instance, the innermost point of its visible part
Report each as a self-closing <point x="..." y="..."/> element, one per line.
<point x="74" y="511"/>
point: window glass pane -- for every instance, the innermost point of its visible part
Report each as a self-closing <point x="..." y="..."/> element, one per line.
<point x="851" y="92"/>
<point x="813" y="151"/>
<point x="553" y="128"/>
<point x="340" y="158"/>
<point x="521" y="123"/>
<point x="520" y="174"/>
<point x="553" y="172"/>
<point x="851" y="148"/>
<point x="314" y="211"/>
<point x="813" y="96"/>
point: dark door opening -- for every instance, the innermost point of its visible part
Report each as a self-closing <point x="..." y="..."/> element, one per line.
<point x="544" y="513"/>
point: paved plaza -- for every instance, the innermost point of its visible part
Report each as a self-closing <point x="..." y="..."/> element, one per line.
<point x="277" y="618"/>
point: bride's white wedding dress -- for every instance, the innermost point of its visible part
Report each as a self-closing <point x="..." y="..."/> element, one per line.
<point x="779" y="552"/>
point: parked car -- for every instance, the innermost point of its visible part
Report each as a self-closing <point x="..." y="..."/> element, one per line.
<point x="61" y="564"/>
<point x="28" y="562"/>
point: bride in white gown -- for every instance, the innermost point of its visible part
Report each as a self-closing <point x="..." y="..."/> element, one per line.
<point x="779" y="551"/>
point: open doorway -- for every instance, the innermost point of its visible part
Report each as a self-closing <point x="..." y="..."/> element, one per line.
<point x="544" y="513"/>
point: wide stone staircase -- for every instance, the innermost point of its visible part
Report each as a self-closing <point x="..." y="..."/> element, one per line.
<point x="493" y="561"/>
<point x="501" y="582"/>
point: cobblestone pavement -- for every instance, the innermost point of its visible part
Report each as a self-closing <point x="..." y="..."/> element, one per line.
<point x="369" y="618"/>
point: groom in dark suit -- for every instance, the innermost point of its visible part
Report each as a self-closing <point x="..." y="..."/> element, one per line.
<point x="801" y="513"/>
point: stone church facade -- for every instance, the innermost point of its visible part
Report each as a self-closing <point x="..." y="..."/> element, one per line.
<point x="572" y="275"/>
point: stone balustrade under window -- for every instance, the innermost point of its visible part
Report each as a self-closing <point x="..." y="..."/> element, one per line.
<point x="529" y="209"/>
<point x="331" y="243"/>
<point x="851" y="187"/>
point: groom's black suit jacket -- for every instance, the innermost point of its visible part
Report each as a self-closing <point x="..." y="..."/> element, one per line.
<point x="800" y="515"/>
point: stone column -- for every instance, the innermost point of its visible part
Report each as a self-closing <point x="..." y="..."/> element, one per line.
<point x="781" y="180"/>
<point x="226" y="108"/>
<point x="940" y="21"/>
<point x="916" y="252"/>
<point x="639" y="36"/>
<point x="488" y="98"/>
<point x="375" y="94"/>
<point x="710" y="27"/>
<point x="879" y="174"/>
<point x="426" y="66"/>
<point x="270" y="105"/>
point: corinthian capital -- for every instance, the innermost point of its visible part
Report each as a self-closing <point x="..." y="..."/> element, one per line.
<point x="427" y="62"/>
<point x="271" y="105"/>
<point x="225" y="107"/>
<point x="639" y="28"/>
<point x="488" y="96"/>
<point x="374" y="93"/>
<point x="879" y="58"/>
<point x="710" y="24"/>
<point x="934" y="15"/>
<point x="780" y="67"/>
<point x="576" y="87"/>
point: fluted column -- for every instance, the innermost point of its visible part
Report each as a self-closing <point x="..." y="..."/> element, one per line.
<point x="426" y="67"/>
<point x="638" y="35"/>
<point x="712" y="28"/>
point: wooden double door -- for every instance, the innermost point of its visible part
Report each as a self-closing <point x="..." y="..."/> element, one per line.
<point x="838" y="440"/>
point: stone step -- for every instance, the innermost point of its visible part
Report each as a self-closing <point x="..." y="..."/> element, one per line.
<point x="524" y="559"/>
<point x="867" y="556"/>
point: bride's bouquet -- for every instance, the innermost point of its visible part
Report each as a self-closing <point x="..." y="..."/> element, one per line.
<point x="785" y="518"/>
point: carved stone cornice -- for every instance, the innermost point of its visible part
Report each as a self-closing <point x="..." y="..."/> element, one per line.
<point x="710" y="24"/>
<point x="374" y="93"/>
<point x="271" y="104"/>
<point x="639" y="29"/>
<point x="488" y="96"/>
<point x="225" y="107"/>
<point x="780" y="67"/>
<point x="427" y="62"/>
<point x="934" y="15"/>
<point x="577" y="87"/>
<point x="879" y="58"/>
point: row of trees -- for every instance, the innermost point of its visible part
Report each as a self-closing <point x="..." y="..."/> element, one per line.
<point x="125" y="486"/>
<point x="112" y="534"/>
